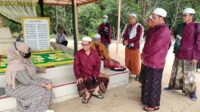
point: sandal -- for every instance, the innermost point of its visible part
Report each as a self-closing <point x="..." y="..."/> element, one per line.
<point x="85" y="101"/>
<point x="100" y="96"/>
<point x="151" y="108"/>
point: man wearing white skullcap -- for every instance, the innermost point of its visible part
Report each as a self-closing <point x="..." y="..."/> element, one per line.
<point x="133" y="15"/>
<point x="97" y="36"/>
<point x="88" y="39"/>
<point x="99" y="47"/>
<point x="131" y="39"/>
<point x="103" y="53"/>
<point x="160" y="12"/>
<point x="186" y="49"/>
<point x="153" y="58"/>
<point x="87" y="71"/>
<point x="105" y="30"/>
<point x="188" y="11"/>
<point x="105" y="17"/>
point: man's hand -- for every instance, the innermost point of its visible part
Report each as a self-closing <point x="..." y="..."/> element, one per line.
<point x="194" y="61"/>
<point x="80" y="80"/>
<point x="126" y="42"/>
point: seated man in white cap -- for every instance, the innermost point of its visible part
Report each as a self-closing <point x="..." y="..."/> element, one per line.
<point x="153" y="57"/>
<point x="105" y="30"/>
<point x="90" y="81"/>
<point x="186" y="49"/>
<point x="131" y="39"/>
<point x="103" y="53"/>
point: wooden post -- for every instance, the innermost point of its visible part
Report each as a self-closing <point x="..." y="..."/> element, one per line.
<point x="118" y="26"/>
<point x="76" y="23"/>
<point x="74" y="11"/>
<point x="41" y="3"/>
<point x="1" y="21"/>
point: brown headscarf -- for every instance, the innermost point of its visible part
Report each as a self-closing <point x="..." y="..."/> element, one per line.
<point x="16" y="62"/>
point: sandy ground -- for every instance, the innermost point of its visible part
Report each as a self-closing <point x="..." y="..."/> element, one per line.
<point x="127" y="98"/>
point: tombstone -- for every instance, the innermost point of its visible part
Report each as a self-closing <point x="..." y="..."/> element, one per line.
<point x="5" y="40"/>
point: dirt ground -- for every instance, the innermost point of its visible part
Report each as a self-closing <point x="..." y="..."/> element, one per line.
<point x="127" y="98"/>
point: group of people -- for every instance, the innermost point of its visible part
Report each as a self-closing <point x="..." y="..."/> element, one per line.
<point x="34" y="94"/>
<point x="153" y="56"/>
<point x="157" y="43"/>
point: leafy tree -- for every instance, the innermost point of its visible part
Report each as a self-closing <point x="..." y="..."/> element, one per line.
<point x="90" y="16"/>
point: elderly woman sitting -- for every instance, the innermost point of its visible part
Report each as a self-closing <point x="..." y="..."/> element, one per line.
<point x="90" y="81"/>
<point x="33" y="94"/>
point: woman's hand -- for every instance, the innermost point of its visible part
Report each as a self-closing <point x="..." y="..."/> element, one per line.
<point x="48" y="86"/>
<point x="80" y="80"/>
<point x="43" y="70"/>
<point x="40" y="69"/>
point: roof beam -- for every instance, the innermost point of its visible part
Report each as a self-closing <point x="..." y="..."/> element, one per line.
<point x="68" y="2"/>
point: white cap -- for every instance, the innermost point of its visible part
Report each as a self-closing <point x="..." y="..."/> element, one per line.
<point x="105" y="16"/>
<point x="97" y="36"/>
<point x="86" y="39"/>
<point x="188" y="11"/>
<point x="133" y="15"/>
<point x="160" y="11"/>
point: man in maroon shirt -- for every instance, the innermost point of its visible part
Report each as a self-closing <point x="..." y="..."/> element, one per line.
<point x="90" y="81"/>
<point x="105" y="30"/>
<point x="131" y="39"/>
<point x="153" y="58"/>
<point x="187" y="49"/>
<point x="150" y="26"/>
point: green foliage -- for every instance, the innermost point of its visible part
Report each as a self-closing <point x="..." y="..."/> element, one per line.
<point x="14" y="27"/>
<point x="59" y="15"/>
<point x="90" y="16"/>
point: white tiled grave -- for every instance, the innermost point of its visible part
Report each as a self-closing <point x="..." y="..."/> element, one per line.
<point x="64" y="84"/>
